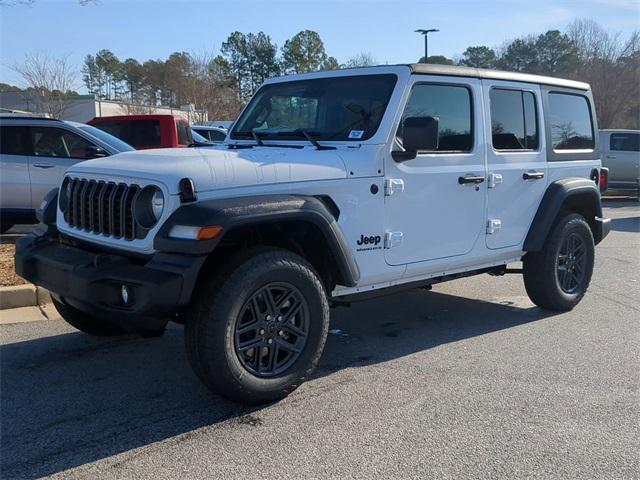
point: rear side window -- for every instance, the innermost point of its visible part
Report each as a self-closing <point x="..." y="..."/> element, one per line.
<point x="570" y="121"/>
<point x="184" y="133"/>
<point x="514" y="123"/>
<point x="625" y="142"/>
<point x="14" y="140"/>
<point x="137" y="133"/>
<point x="451" y="105"/>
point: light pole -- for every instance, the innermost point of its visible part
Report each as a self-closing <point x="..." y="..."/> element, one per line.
<point x="426" y="40"/>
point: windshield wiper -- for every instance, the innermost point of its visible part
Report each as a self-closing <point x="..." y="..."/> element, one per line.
<point x="309" y="136"/>
<point x="257" y="138"/>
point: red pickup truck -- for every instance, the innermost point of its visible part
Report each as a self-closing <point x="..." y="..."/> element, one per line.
<point x="147" y="131"/>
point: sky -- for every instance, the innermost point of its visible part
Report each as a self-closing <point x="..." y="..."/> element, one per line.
<point x="145" y="29"/>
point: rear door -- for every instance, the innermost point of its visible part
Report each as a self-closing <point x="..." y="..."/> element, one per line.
<point x="623" y="159"/>
<point x="15" y="148"/>
<point x="516" y="159"/>
<point x="54" y="150"/>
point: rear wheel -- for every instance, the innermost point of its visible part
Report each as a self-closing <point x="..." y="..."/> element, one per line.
<point x="258" y="331"/>
<point x="85" y="322"/>
<point x="558" y="277"/>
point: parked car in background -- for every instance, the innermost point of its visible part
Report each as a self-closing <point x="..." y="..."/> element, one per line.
<point x="34" y="154"/>
<point x="213" y="134"/>
<point x="147" y="131"/>
<point x="620" y="150"/>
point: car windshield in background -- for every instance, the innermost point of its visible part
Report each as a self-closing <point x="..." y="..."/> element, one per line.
<point x="199" y="139"/>
<point x="337" y="108"/>
<point x="112" y="141"/>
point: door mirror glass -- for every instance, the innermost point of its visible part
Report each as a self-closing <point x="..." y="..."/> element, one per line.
<point x="420" y="134"/>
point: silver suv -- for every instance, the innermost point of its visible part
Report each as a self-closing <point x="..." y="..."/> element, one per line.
<point x="35" y="153"/>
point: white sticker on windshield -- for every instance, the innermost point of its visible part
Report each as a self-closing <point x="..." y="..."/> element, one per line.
<point x="356" y="134"/>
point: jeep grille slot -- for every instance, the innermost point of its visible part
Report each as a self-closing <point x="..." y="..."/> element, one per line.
<point x="104" y="208"/>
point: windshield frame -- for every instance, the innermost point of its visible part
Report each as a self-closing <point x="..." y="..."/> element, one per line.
<point x="297" y="134"/>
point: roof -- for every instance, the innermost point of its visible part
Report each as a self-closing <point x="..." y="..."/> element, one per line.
<point x="27" y="118"/>
<point x="153" y="116"/>
<point x="455" y="71"/>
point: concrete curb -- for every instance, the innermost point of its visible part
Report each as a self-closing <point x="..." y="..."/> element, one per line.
<point x="19" y="296"/>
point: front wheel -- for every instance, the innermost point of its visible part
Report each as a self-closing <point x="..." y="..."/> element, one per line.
<point x="557" y="277"/>
<point x="259" y="328"/>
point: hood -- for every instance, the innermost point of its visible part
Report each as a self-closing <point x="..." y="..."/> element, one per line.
<point x="215" y="168"/>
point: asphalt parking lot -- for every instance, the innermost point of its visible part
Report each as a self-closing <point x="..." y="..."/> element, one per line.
<point x="469" y="380"/>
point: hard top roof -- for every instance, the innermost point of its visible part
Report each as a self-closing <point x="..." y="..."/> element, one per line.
<point x="456" y="71"/>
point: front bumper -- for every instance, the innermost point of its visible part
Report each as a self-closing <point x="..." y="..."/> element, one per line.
<point x="93" y="281"/>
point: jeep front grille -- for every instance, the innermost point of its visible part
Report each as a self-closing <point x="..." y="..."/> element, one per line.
<point x="102" y="207"/>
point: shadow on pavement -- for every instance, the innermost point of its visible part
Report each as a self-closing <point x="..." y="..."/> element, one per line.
<point x="628" y="224"/>
<point x="70" y="399"/>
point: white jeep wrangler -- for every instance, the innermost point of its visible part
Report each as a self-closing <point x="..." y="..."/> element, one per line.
<point x="331" y="187"/>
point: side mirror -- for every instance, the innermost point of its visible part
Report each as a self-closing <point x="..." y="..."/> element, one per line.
<point x="418" y="134"/>
<point x="95" y="152"/>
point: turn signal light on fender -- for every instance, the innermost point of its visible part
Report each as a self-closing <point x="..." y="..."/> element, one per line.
<point x="188" y="232"/>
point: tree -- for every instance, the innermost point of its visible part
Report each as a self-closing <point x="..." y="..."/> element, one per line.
<point x="331" y="63"/>
<point x="304" y="52"/>
<point x="436" y="59"/>
<point x="235" y="52"/>
<point x="551" y="53"/>
<point x="479" y="57"/>
<point x="361" y="60"/>
<point x="50" y="82"/>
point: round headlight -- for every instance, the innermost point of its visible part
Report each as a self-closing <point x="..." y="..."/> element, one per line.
<point x="149" y="206"/>
<point x="157" y="204"/>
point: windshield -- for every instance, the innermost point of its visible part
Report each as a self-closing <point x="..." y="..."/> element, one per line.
<point x="110" y="140"/>
<point x="335" y="108"/>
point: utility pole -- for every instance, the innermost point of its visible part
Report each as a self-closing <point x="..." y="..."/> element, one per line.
<point x="426" y="33"/>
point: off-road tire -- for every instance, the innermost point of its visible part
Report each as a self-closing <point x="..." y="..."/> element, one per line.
<point x="540" y="269"/>
<point x="210" y="328"/>
<point x="86" y="323"/>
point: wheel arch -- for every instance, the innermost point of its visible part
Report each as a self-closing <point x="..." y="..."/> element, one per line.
<point x="569" y="195"/>
<point x="306" y="225"/>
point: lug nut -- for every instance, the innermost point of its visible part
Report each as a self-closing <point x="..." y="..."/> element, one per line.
<point x="280" y="332"/>
<point x="268" y="318"/>
<point x="261" y="331"/>
<point x="270" y="341"/>
<point x="279" y="318"/>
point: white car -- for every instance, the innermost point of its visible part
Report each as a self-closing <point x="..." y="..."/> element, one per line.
<point x="334" y="187"/>
<point x="620" y="151"/>
<point x="35" y="153"/>
<point x="213" y="134"/>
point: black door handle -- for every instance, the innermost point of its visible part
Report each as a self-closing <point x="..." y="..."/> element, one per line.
<point x="532" y="175"/>
<point x="470" y="179"/>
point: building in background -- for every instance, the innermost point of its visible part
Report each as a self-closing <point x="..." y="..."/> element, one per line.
<point x="82" y="108"/>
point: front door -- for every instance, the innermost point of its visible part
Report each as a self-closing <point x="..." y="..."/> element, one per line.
<point x="516" y="160"/>
<point x="54" y="150"/>
<point x="434" y="203"/>
<point x="623" y="159"/>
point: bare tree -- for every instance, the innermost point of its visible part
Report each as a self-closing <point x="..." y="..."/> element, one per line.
<point x="363" y="59"/>
<point x="612" y="66"/>
<point x="50" y="82"/>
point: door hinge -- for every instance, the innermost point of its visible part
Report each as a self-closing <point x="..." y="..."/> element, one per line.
<point x="392" y="239"/>
<point x="495" y="179"/>
<point x="393" y="185"/>
<point x="493" y="225"/>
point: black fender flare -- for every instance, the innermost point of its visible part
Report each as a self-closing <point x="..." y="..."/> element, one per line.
<point x="558" y="195"/>
<point x="230" y="213"/>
